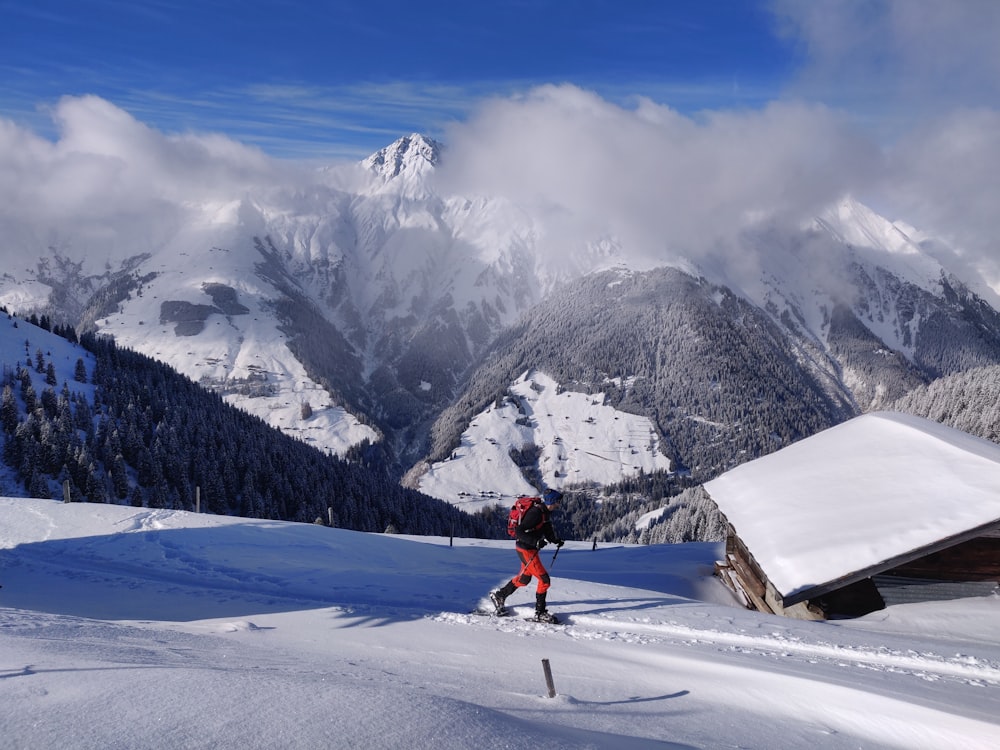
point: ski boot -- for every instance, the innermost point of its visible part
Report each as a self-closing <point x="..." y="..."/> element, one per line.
<point x="499" y="596"/>
<point x="541" y="613"/>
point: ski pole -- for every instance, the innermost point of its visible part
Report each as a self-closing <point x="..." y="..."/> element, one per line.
<point x="555" y="554"/>
<point x="528" y="562"/>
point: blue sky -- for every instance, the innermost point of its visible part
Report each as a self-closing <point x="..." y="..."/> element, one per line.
<point x="315" y="79"/>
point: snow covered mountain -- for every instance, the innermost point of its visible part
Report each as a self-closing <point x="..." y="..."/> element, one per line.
<point x="375" y="306"/>
<point x="358" y="305"/>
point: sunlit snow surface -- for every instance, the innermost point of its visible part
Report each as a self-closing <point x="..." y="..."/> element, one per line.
<point x="134" y="628"/>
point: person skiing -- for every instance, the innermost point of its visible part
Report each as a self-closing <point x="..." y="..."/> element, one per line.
<point x="533" y="531"/>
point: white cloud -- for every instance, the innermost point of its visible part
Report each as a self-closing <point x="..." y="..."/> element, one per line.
<point x="948" y="175"/>
<point x="926" y="77"/>
<point x="109" y="179"/>
<point x="664" y="182"/>
<point x="897" y="103"/>
<point x="103" y="153"/>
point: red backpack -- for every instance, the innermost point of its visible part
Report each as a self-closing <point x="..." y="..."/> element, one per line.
<point x="517" y="511"/>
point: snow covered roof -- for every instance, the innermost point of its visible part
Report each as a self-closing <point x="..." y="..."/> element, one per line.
<point x="865" y="494"/>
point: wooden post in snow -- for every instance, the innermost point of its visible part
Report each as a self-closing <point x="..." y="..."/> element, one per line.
<point x="548" y="678"/>
<point x="197" y="499"/>
<point x="66" y="497"/>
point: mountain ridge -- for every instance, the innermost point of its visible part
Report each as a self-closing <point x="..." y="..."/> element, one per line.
<point x="392" y="314"/>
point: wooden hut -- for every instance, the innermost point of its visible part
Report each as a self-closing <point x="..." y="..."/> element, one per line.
<point x="885" y="508"/>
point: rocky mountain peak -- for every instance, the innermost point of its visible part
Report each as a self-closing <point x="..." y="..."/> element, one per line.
<point x="414" y="154"/>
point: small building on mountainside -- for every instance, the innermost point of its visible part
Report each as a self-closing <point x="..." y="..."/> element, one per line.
<point x="883" y="509"/>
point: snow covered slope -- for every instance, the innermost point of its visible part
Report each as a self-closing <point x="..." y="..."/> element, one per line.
<point x="197" y="631"/>
<point x="22" y="346"/>
<point x="211" y="316"/>
<point x="850" y="256"/>
<point x="580" y="440"/>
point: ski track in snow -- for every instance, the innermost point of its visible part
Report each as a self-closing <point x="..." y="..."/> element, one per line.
<point x="796" y="650"/>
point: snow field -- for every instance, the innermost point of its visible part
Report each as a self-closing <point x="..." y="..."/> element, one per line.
<point x="201" y="631"/>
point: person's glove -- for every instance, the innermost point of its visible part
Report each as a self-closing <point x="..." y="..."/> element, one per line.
<point x="559" y="542"/>
<point x="541" y="543"/>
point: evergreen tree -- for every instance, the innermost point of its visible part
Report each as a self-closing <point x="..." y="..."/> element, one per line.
<point x="8" y="410"/>
<point x="28" y="393"/>
<point x="119" y="477"/>
<point x="38" y="486"/>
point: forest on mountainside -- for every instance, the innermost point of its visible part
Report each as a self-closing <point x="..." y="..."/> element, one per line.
<point x="968" y="401"/>
<point x="152" y="436"/>
<point x="721" y="383"/>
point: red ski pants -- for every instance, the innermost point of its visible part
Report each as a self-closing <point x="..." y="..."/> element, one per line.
<point x="531" y="565"/>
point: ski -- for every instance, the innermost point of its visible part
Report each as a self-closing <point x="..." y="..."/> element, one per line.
<point x="553" y="620"/>
<point x="550" y="620"/>
<point x="505" y="612"/>
<point x="491" y="612"/>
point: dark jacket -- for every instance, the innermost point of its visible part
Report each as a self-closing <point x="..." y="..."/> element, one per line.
<point x="536" y="524"/>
